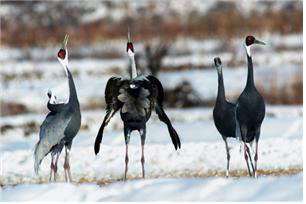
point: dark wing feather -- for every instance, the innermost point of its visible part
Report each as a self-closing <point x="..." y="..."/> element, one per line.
<point x="112" y="106"/>
<point x="55" y="108"/>
<point x="159" y="95"/>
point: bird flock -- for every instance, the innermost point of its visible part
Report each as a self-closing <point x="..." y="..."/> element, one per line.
<point x="135" y="97"/>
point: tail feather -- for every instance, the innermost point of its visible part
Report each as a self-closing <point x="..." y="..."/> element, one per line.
<point x="173" y="134"/>
<point x="39" y="153"/>
<point x="99" y="138"/>
<point x="174" y="137"/>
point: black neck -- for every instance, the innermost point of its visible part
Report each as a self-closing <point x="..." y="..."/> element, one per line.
<point x="73" y="98"/>
<point x="250" y="79"/>
<point x="221" y="92"/>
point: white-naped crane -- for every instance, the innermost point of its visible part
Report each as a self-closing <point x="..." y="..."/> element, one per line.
<point x="250" y="110"/>
<point x="135" y="97"/>
<point x="224" y="113"/>
<point x="60" y="125"/>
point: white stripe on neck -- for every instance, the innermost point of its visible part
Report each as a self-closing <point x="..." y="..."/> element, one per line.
<point x="133" y="64"/>
<point x="247" y="49"/>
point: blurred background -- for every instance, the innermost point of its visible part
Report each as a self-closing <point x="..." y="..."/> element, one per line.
<point x="174" y="40"/>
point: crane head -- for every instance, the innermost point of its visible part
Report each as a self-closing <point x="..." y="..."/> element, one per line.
<point x="218" y="64"/>
<point x="129" y="46"/>
<point x="250" y="40"/>
<point x="217" y="61"/>
<point x="62" y="53"/>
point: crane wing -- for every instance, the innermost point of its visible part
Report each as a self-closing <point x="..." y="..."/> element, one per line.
<point x="158" y="93"/>
<point x="51" y="133"/>
<point x="112" y="106"/>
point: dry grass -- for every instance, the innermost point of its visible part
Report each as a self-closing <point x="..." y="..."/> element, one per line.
<point x="224" y="21"/>
<point x="287" y="94"/>
<point x="236" y="174"/>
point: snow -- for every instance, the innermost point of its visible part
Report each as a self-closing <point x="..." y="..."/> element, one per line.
<point x="182" y="189"/>
<point x="181" y="174"/>
<point x="193" y="173"/>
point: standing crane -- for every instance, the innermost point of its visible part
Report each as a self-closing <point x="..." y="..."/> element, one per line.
<point x="60" y="125"/>
<point x="135" y="97"/>
<point x="250" y="109"/>
<point x="224" y="113"/>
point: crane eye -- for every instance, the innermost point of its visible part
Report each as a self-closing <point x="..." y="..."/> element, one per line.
<point x="61" y="54"/>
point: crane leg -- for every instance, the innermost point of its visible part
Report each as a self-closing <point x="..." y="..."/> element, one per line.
<point x="250" y="157"/>
<point x="228" y="156"/>
<point x="67" y="165"/>
<point x="55" y="166"/>
<point x="255" y="159"/>
<point x="51" y="167"/>
<point x="143" y="138"/>
<point x="247" y="158"/>
<point x="244" y="131"/>
<point x="127" y="134"/>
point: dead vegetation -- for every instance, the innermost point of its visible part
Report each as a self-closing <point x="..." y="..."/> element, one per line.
<point x="236" y="174"/>
<point x="287" y="94"/>
<point x="12" y="108"/>
<point x="32" y="27"/>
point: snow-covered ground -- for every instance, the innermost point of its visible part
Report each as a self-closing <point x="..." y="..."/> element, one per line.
<point x="182" y="189"/>
<point x="193" y="173"/>
<point x="27" y="81"/>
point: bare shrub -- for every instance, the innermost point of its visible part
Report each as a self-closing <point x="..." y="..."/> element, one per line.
<point x="183" y="96"/>
<point x="12" y="108"/>
<point x="286" y="94"/>
<point x="151" y="59"/>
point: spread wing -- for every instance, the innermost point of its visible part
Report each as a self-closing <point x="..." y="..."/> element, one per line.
<point x="159" y="96"/>
<point x="112" y="106"/>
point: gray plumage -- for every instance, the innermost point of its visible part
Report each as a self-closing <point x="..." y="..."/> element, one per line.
<point x="135" y="98"/>
<point x="59" y="127"/>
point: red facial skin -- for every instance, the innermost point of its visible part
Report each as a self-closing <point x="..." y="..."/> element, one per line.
<point x="61" y="54"/>
<point x="129" y="46"/>
<point x="249" y="40"/>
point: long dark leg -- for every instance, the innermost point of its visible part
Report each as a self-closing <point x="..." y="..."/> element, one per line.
<point x="143" y="138"/>
<point x="55" y="166"/>
<point x="244" y="132"/>
<point x="228" y="156"/>
<point x="127" y="134"/>
<point x="67" y="165"/>
<point x="51" y="167"/>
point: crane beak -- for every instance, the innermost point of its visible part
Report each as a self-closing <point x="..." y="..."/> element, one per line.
<point x="259" y="42"/>
<point x="129" y="45"/>
<point x="129" y="35"/>
<point x="64" y="45"/>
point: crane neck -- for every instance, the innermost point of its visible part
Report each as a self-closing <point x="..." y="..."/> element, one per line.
<point x="133" y="70"/>
<point x="221" y="91"/>
<point x="73" y="97"/>
<point x="250" y="79"/>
